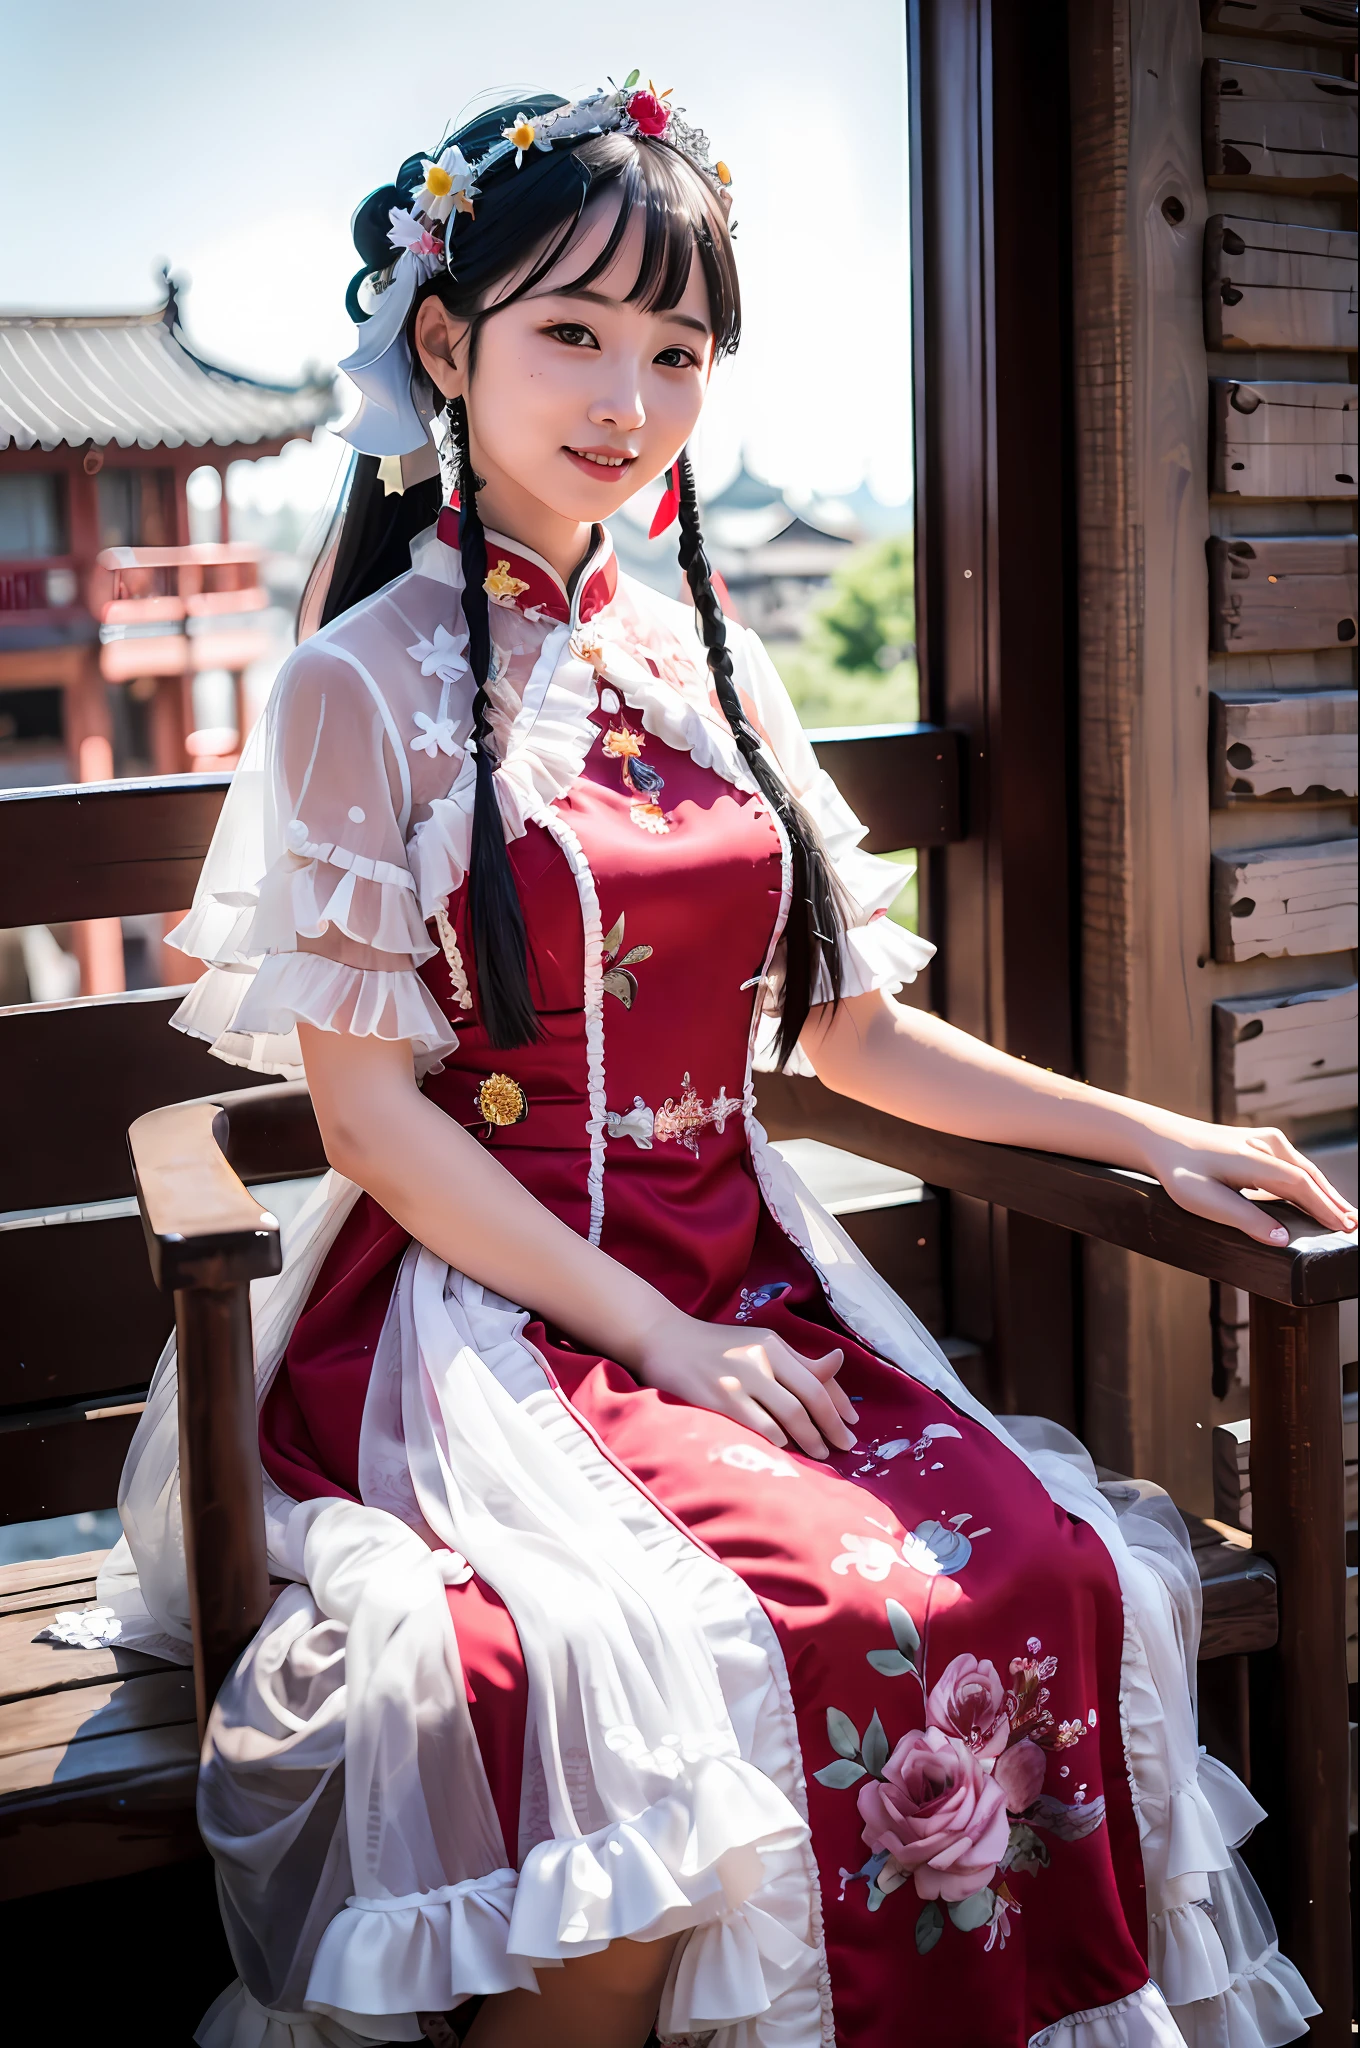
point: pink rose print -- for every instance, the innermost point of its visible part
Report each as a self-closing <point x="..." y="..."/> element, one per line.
<point x="970" y="1701"/>
<point x="937" y="1815"/>
<point x="1020" y="1774"/>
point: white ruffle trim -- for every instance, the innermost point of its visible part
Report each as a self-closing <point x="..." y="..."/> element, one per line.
<point x="307" y="890"/>
<point x="877" y="955"/>
<point x="1222" y="1972"/>
<point x="1139" y="2021"/>
<point x="441" y="1947"/>
<point x="593" y="937"/>
<point x="250" y="1019"/>
<point x="642" y="1878"/>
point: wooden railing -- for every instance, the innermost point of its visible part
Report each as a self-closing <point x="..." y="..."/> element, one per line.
<point x="174" y="610"/>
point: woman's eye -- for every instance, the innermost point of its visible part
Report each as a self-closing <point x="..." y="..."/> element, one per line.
<point x="574" y="335"/>
<point x="676" y="359"/>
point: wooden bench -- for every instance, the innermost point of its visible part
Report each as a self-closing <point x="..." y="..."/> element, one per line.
<point x="98" y="1747"/>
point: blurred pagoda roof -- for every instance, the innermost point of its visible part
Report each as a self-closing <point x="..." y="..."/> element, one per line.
<point x="71" y="379"/>
<point x="747" y="492"/>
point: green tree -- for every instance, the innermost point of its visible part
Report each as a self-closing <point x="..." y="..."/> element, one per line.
<point x="868" y="622"/>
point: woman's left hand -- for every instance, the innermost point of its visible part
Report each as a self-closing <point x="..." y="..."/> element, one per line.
<point x="1205" y="1167"/>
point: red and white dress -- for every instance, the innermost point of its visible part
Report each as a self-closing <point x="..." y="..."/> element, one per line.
<point x="901" y="1744"/>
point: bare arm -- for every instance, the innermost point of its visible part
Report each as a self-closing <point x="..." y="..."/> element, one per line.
<point x="928" y="1072"/>
<point x="453" y="1195"/>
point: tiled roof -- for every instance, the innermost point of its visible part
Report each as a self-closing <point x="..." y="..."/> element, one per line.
<point x="128" y="378"/>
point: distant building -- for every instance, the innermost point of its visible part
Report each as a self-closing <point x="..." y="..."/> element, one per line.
<point x="775" y="561"/>
<point x="107" y="610"/>
<point x="775" y="558"/>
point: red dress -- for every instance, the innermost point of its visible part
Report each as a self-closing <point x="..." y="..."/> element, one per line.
<point x="952" y="1637"/>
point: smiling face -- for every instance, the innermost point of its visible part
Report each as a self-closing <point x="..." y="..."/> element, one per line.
<point x="577" y="397"/>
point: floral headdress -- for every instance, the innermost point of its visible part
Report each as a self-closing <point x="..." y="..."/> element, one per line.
<point x="421" y="236"/>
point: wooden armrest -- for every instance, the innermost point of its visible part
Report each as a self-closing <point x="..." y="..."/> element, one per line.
<point x="1113" y="1204"/>
<point x="203" y="1226"/>
<point x="190" y="1162"/>
<point x="208" y="1238"/>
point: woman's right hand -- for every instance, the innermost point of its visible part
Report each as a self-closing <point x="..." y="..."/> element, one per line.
<point x="753" y="1376"/>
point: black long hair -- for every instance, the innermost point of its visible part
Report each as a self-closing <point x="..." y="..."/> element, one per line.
<point x="525" y="222"/>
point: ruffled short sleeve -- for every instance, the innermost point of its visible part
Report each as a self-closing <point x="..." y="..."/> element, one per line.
<point x="878" y="953"/>
<point x="306" y="910"/>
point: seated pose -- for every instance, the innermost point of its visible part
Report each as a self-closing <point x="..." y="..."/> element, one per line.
<point x="669" y="1641"/>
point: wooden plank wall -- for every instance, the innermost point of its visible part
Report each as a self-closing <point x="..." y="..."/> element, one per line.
<point x="1181" y="789"/>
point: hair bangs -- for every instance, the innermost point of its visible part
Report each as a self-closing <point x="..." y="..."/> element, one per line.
<point x="680" y="217"/>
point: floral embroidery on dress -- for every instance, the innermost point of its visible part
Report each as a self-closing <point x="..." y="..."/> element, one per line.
<point x="444" y="656"/>
<point x="617" y="980"/>
<point x="635" y="1123"/>
<point x="433" y="735"/>
<point x="957" y="1806"/>
<point x="643" y="782"/>
<point x="501" y="586"/>
<point x="756" y="1298"/>
<point x="751" y="1458"/>
<point x="882" y="1449"/>
<point x="683" y="1120"/>
<point x="680" y="1121"/>
<point x="935" y="1549"/>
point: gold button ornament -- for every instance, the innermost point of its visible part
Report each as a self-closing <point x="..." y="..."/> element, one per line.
<point x="501" y="1101"/>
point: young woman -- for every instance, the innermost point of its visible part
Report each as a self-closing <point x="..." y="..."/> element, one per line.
<point x="669" y="1640"/>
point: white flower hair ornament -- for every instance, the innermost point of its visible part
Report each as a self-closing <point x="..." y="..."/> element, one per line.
<point x="390" y="422"/>
<point x="448" y="185"/>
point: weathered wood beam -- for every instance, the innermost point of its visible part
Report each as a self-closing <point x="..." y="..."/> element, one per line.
<point x="1282" y="746"/>
<point x="1273" y="284"/>
<point x="1270" y="130"/>
<point x="1320" y="22"/>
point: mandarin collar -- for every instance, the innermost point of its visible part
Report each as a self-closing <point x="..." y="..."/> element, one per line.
<point x="519" y="580"/>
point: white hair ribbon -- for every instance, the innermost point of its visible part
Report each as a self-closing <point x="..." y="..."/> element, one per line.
<point x="389" y="421"/>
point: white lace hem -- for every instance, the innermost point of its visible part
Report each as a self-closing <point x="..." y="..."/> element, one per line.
<point x="250" y="1019"/>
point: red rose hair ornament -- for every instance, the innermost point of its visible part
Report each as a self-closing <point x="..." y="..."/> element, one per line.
<point x="648" y="113"/>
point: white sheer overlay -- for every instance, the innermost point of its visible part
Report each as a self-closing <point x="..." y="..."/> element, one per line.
<point x="363" y="1873"/>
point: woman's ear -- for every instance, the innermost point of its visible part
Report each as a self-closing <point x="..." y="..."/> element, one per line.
<point x="439" y="340"/>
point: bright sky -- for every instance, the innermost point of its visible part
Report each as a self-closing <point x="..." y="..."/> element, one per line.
<point x="234" y="142"/>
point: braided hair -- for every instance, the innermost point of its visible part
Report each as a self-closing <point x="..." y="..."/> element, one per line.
<point x="812" y="934"/>
<point x="525" y="222"/>
<point x="495" y="913"/>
